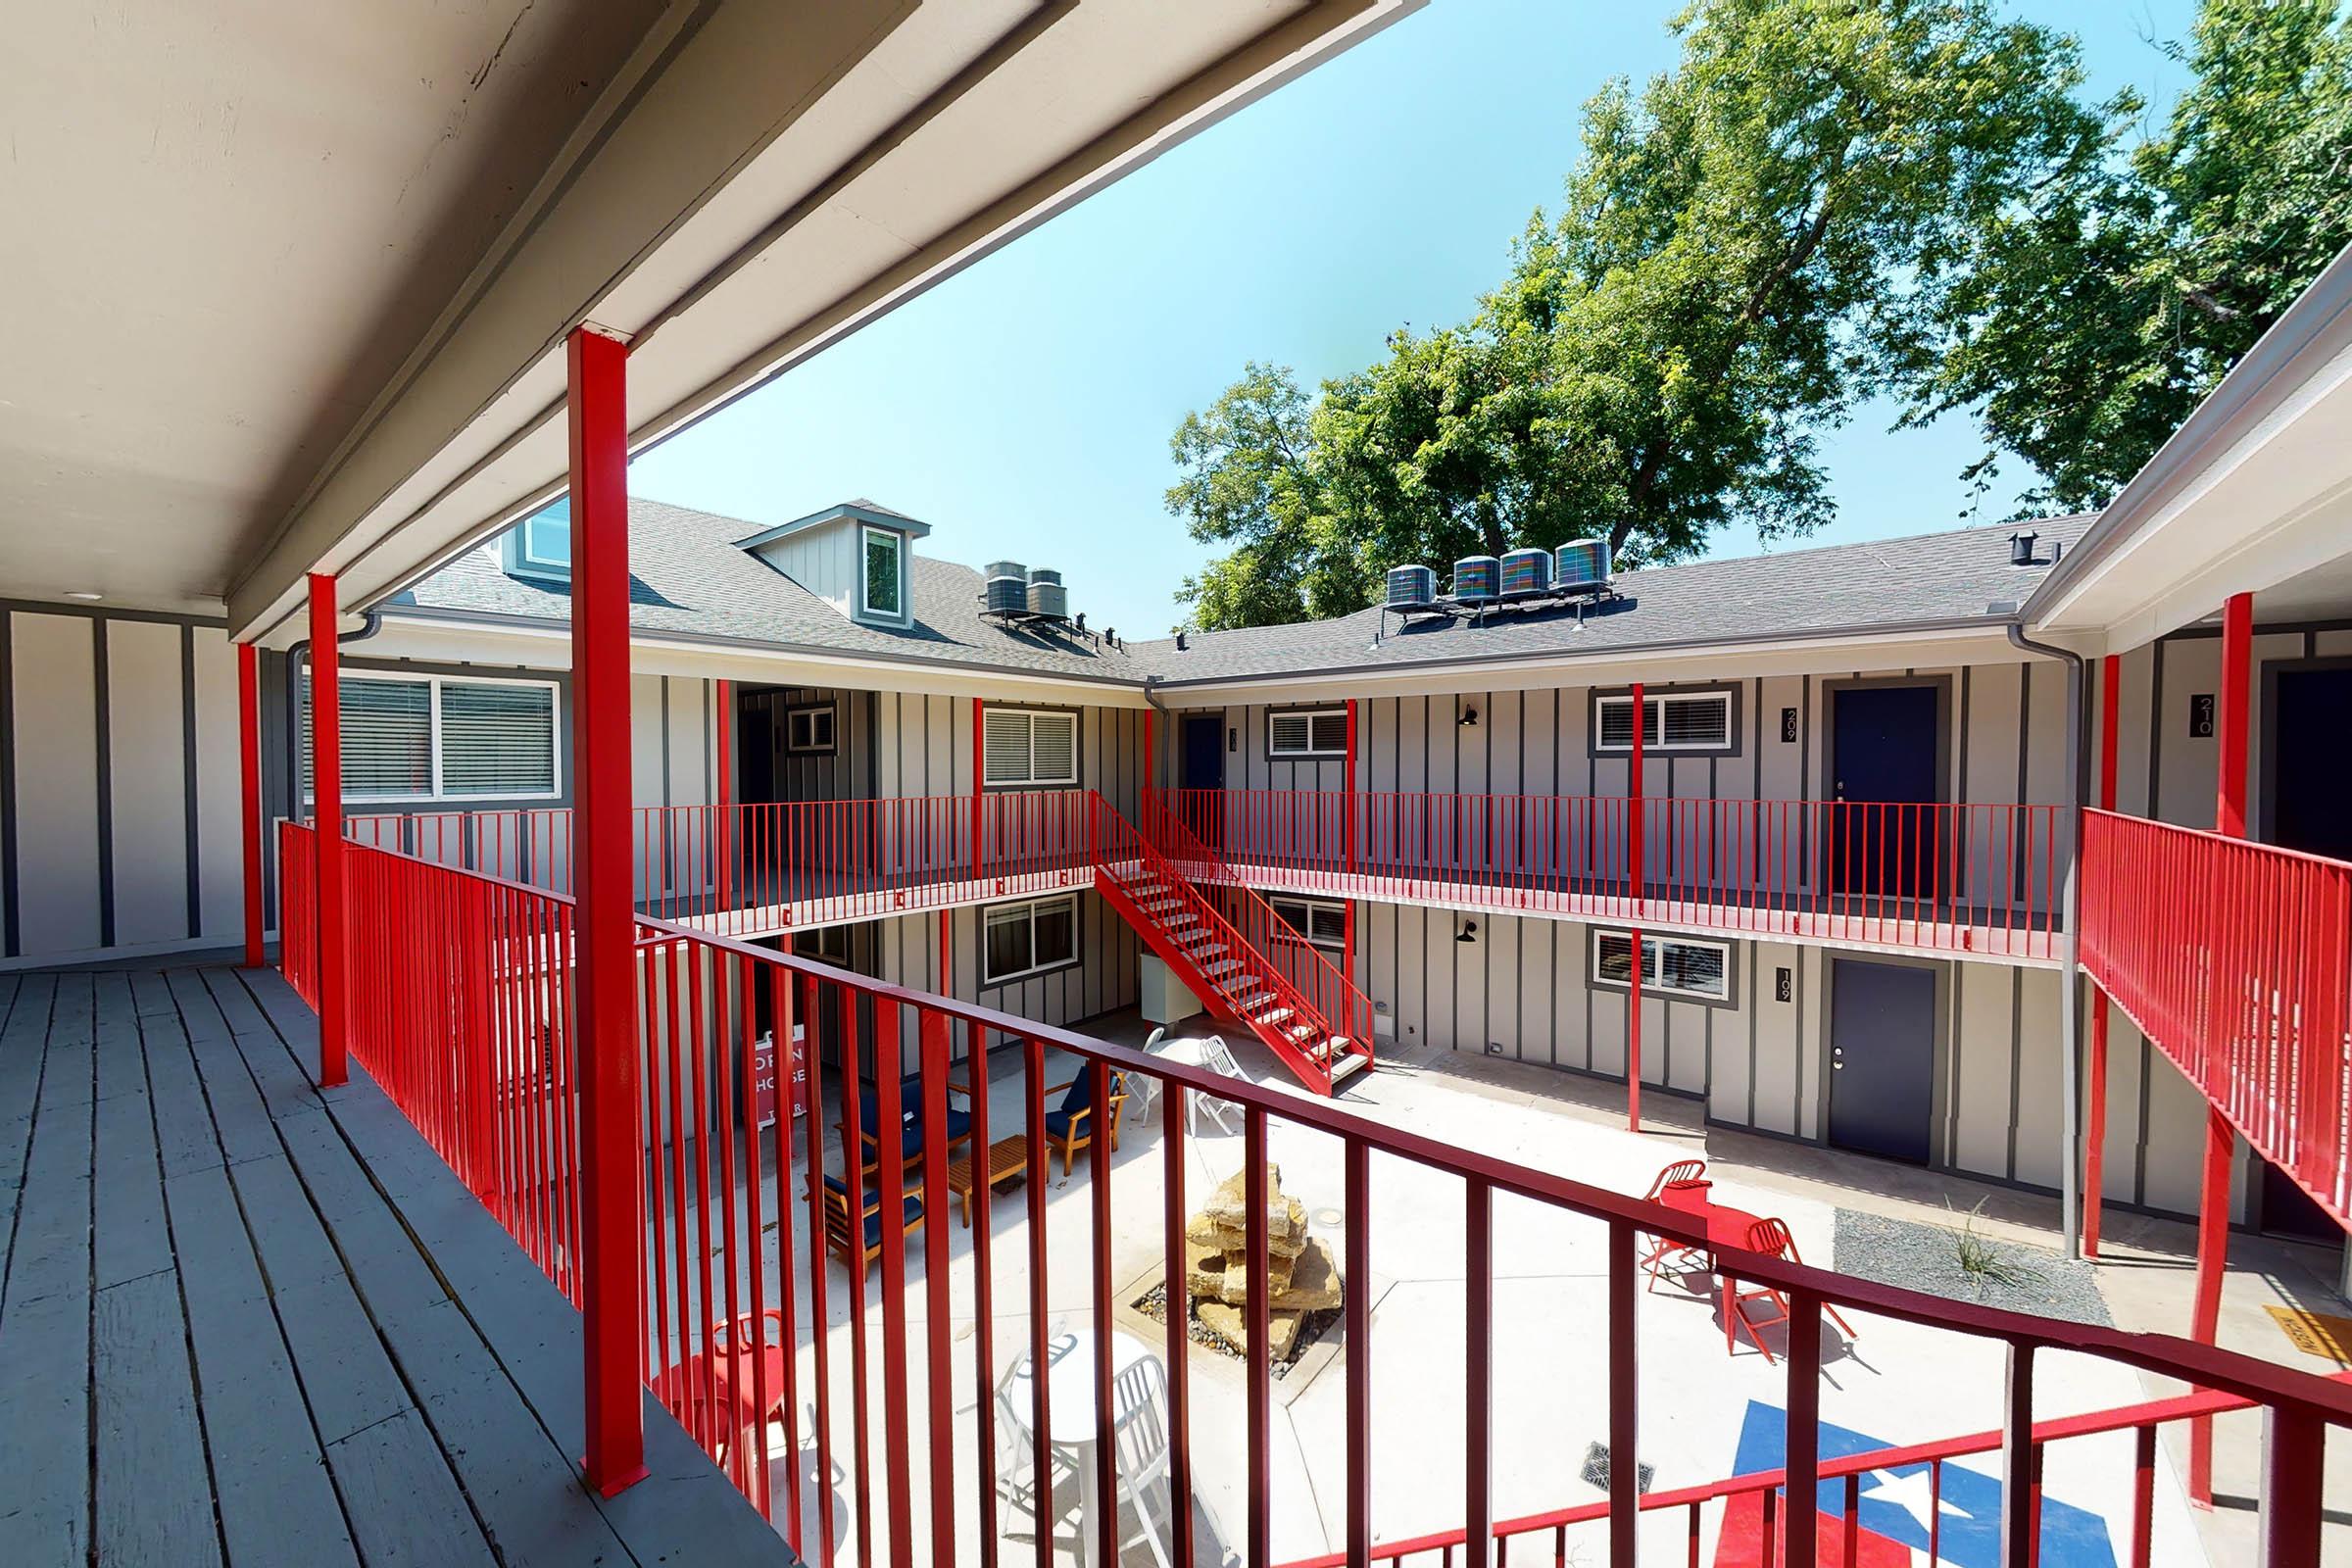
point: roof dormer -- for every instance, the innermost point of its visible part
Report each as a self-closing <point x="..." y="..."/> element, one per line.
<point x="539" y="547"/>
<point x="857" y="557"/>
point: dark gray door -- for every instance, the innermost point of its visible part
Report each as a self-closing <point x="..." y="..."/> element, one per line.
<point x="1882" y="765"/>
<point x="1882" y="1057"/>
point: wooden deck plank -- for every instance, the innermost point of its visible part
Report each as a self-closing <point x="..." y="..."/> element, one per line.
<point x="153" y="995"/>
<point x="346" y="1375"/>
<point x="238" y="1009"/>
<point x="528" y="1494"/>
<point x="294" y="1248"/>
<point x="44" y="1448"/>
<point x="376" y="1249"/>
<point x="184" y="1136"/>
<point x="199" y="1012"/>
<point x="279" y="1507"/>
<point x="68" y="1067"/>
<point x="154" y="1493"/>
<point x="45" y="1309"/>
<point x="128" y="1236"/>
<point x="240" y="1116"/>
<point x="403" y="1504"/>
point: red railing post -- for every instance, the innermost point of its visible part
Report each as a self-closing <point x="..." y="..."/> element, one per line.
<point x="611" y="1172"/>
<point x="249" y="781"/>
<point x="2213" y="1194"/>
<point x="1348" y="818"/>
<point x="2095" y="1132"/>
<point x="1636" y="877"/>
<point x="723" y="836"/>
<point x="326" y="816"/>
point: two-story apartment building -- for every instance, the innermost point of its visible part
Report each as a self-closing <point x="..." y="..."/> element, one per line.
<point x="1852" y="800"/>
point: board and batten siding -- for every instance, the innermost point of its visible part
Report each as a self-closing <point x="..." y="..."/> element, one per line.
<point x="2003" y="742"/>
<point x="119" y="786"/>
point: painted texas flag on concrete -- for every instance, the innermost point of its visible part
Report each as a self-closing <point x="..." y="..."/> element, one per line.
<point x="1895" y="1506"/>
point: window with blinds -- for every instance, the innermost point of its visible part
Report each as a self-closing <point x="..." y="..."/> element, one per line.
<point x="1670" y="965"/>
<point x="1021" y="746"/>
<point x="1671" y="721"/>
<point x="1020" y="940"/>
<point x="1307" y="732"/>
<point x="426" y="738"/>
<point x="1315" y="921"/>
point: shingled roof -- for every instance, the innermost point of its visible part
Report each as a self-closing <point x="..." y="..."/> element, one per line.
<point x="691" y="576"/>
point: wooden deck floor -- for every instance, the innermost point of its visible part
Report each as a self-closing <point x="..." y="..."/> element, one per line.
<point x="245" y="1323"/>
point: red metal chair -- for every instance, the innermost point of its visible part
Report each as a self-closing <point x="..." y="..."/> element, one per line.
<point x="1681" y="1173"/>
<point x="714" y="1393"/>
<point x="1771" y="1237"/>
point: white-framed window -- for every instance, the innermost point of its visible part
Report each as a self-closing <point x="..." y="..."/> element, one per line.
<point x="1679" y="967"/>
<point x="1307" y="732"/>
<point x="827" y="943"/>
<point x="418" y="738"/>
<point x="540" y="544"/>
<point x="1019" y="940"/>
<point x="1671" y="721"/>
<point x="882" y="574"/>
<point x="1028" y="746"/>
<point x="1318" y="920"/>
<point x="808" y="731"/>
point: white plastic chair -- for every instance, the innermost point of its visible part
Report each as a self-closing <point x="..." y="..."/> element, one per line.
<point x="1217" y="1058"/>
<point x="1017" y="1468"/>
<point x="1143" y="1089"/>
<point x="1140" y="1442"/>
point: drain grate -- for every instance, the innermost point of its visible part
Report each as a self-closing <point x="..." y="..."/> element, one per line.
<point x="1596" y="1469"/>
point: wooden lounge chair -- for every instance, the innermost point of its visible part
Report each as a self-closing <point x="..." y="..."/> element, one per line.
<point x="1071" y="1126"/>
<point x="842" y="1235"/>
<point x="959" y="1128"/>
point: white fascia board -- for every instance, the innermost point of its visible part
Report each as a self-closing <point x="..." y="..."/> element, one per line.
<point x="1925" y="648"/>
<point x="546" y="645"/>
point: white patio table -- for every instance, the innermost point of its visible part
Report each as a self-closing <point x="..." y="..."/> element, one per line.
<point x="1070" y="1408"/>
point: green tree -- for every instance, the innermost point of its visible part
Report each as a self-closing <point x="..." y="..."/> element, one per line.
<point x="2102" y="308"/>
<point x="1746" y="246"/>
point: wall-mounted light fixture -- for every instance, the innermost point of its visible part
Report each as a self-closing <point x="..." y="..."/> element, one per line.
<point x="1468" y="932"/>
<point x="1469" y="718"/>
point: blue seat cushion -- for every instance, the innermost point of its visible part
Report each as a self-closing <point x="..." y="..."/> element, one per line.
<point x="1076" y="1102"/>
<point x="913" y="1207"/>
<point x="959" y="1123"/>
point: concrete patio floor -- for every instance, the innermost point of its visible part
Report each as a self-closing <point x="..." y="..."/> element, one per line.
<point x="1892" y="1383"/>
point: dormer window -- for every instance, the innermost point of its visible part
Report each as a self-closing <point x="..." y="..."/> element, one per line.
<point x="882" y="589"/>
<point x="540" y="544"/>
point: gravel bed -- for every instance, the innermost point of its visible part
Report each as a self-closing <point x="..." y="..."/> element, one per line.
<point x="1927" y="1258"/>
<point x="1154" y="1304"/>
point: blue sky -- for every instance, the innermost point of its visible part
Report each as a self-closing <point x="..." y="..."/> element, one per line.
<point x="1024" y="408"/>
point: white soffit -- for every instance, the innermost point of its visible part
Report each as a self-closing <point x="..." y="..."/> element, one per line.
<point x="940" y="132"/>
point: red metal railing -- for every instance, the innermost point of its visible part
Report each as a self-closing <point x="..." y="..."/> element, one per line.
<point x="1984" y="878"/>
<point x="463" y="1017"/>
<point x="2235" y="959"/>
<point x="298" y="909"/>
<point x="1768" y="1488"/>
<point x="752" y="870"/>
<point x="1335" y="998"/>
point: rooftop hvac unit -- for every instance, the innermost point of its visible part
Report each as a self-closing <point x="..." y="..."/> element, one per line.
<point x="1526" y="573"/>
<point x="1582" y="563"/>
<point x="1047" y="595"/>
<point x="1477" y="579"/>
<point x="1008" y="591"/>
<point x="1412" y="587"/>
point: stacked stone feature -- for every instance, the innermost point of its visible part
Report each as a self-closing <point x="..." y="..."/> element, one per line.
<point x="1301" y="1272"/>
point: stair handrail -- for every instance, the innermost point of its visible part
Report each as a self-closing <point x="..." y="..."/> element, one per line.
<point x="1356" y="1026"/>
<point x="1109" y="819"/>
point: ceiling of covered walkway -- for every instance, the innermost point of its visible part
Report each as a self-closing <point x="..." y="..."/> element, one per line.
<point x="287" y="284"/>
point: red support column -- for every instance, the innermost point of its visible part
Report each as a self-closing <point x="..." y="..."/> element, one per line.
<point x="1348" y="818"/>
<point x="326" y="821"/>
<point x="2213" y="1194"/>
<point x="1637" y="876"/>
<point x="979" y="785"/>
<point x="613" y="1240"/>
<point x="722" y="839"/>
<point x="2111" y="682"/>
<point x="249" y="777"/>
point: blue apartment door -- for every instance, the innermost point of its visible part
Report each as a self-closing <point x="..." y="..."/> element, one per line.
<point x="1882" y="764"/>
<point x="1203" y="771"/>
<point x="1882" y="1057"/>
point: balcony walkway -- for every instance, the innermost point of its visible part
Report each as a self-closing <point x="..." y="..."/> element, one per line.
<point x="244" y="1322"/>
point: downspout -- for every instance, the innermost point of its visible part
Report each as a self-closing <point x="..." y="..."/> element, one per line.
<point x="372" y="621"/>
<point x="1152" y="763"/>
<point x="2070" y="967"/>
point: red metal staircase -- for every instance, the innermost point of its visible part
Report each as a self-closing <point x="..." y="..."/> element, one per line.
<point x="1242" y="960"/>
